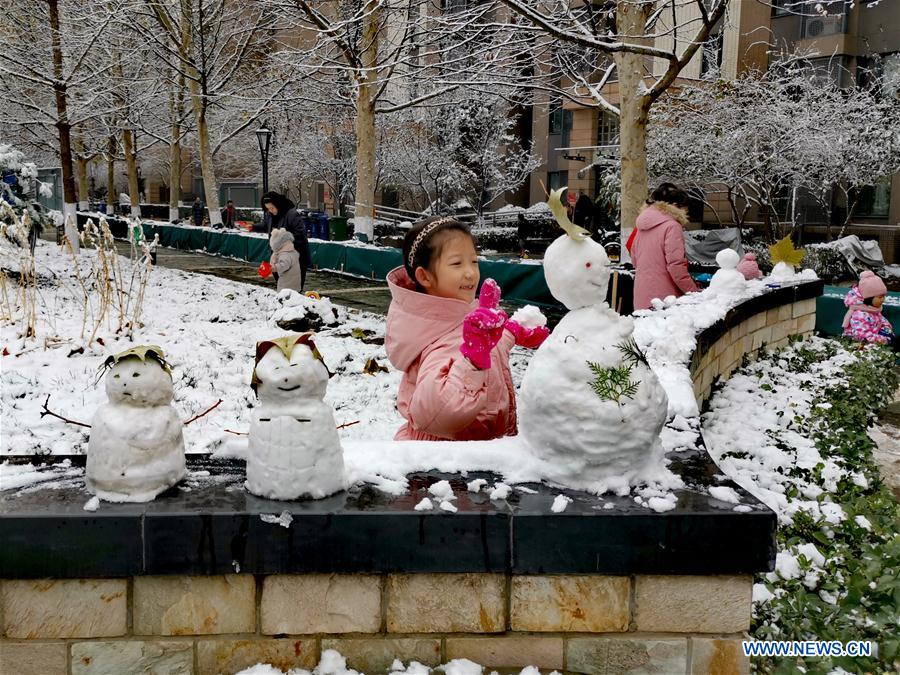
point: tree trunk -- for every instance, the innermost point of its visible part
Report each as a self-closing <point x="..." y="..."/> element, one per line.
<point x="633" y="119"/>
<point x="198" y="106"/>
<point x="134" y="193"/>
<point x="64" y="129"/>
<point x="111" y="198"/>
<point x="175" y="109"/>
<point x="81" y="171"/>
<point x="81" y="168"/>
<point x="364" y="213"/>
<point x="207" y="170"/>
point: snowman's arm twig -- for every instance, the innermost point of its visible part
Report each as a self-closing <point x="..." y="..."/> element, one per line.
<point x="46" y="411"/>
<point x="348" y="424"/>
<point x="205" y="412"/>
<point x="236" y="433"/>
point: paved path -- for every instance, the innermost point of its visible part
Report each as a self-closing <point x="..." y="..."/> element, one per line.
<point x="886" y="435"/>
<point x="370" y="295"/>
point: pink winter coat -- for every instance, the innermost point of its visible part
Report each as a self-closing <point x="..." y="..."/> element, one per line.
<point x="863" y="322"/>
<point x="660" y="264"/>
<point x="442" y="395"/>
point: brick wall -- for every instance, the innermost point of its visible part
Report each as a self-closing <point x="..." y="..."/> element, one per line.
<point x="768" y="329"/>
<point x="221" y="624"/>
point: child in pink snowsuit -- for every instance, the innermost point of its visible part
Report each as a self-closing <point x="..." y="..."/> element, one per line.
<point x="453" y="349"/>
<point x="864" y="320"/>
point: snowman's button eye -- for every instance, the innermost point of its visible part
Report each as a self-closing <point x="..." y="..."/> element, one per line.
<point x="136" y="375"/>
<point x="117" y="376"/>
<point x="587" y="264"/>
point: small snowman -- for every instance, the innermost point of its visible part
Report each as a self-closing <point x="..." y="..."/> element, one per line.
<point x="136" y="449"/>
<point x="589" y="405"/>
<point x="785" y="259"/>
<point x="294" y="450"/>
<point x="727" y="280"/>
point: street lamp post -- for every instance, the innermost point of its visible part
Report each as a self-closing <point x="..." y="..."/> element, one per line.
<point x="263" y="136"/>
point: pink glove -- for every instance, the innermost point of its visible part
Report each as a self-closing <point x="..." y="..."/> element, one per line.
<point x="483" y="328"/>
<point x="530" y="338"/>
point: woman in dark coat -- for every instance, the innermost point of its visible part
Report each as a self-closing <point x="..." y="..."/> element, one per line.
<point x="279" y="212"/>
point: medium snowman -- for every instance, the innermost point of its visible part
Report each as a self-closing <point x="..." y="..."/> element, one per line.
<point x="727" y="280"/>
<point x="136" y="449"/>
<point x="294" y="450"/>
<point x="589" y="405"/>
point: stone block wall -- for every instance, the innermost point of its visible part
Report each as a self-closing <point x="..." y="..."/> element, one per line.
<point x="768" y="329"/>
<point x="205" y="625"/>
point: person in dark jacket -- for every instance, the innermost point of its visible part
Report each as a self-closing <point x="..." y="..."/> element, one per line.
<point x="197" y="212"/>
<point x="279" y="212"/>
<point x="229" y="215"/>
<point x="584" y="212"/>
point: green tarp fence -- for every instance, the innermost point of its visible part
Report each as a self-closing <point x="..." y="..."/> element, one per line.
<point x="522" y="283"/>
<point x="830" y="310"/>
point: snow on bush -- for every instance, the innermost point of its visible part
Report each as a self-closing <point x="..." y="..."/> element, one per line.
<point x="804" y="452"/>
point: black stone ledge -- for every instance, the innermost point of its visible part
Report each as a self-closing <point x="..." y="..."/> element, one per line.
<point x="210" y="525"/>
<point x="785" y="294"/>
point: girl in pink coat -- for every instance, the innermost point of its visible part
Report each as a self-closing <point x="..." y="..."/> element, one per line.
<point x="660" y="263"/>
<point x="864" y="320"/>
<point x="453" y="349"/>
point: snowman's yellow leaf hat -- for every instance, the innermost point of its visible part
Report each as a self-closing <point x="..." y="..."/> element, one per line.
<point x="286" y="344"/>
<point x="562" y="218"/>
<point x="142" y="352"/>
<point x="784" y="251"/>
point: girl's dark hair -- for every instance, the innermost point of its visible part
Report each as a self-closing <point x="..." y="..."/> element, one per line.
<point x="868" y="301"/>
<point x="669" y="193"/>
<point x="423" y="243"/>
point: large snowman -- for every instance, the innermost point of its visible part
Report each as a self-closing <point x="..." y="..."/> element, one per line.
<point x="136" y="448"/>
<point x="294" y="449"/>
<point x="589" y="404"/>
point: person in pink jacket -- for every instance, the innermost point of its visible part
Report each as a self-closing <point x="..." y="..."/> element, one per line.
<point x="864" y="320"/>
<point x="453" y="349"/>
<point x="657" y="250"/>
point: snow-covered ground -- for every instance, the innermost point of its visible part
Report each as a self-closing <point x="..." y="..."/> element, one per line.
<point x="208" y="328"/>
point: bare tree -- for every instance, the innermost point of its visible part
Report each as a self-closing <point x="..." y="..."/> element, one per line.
<point x="369" y="54"/>
<point x="221" y="50"/>
<point x="49" y="54"/>
<point x="766" y="137"/>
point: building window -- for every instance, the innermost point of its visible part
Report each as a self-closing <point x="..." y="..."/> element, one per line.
<point x="607" y="129"/>
<point x="556" y="118"/>
<point x="450" y="6"/>
<point x="711" y="55"/>
<point x="557" y="179"/>
<point x="873" y="201"/>
<point x="781" y="7"/>
<point x="890" y="72"/>
<point x="831" y="69"/>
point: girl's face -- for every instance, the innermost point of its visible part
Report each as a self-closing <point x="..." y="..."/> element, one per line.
<point x="878" y="301"/>
<point x="454" y="274"/>
<point x="271" y="208"/>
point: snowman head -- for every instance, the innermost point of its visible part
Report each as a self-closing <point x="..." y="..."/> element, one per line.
<point x="139" y="377"/>
<point x="577" y="271"/>
<point x="727" y="259"/>
<point x="288" y="369"/>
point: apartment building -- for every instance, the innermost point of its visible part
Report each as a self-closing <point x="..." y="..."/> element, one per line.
<point x="572" y="138"/>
